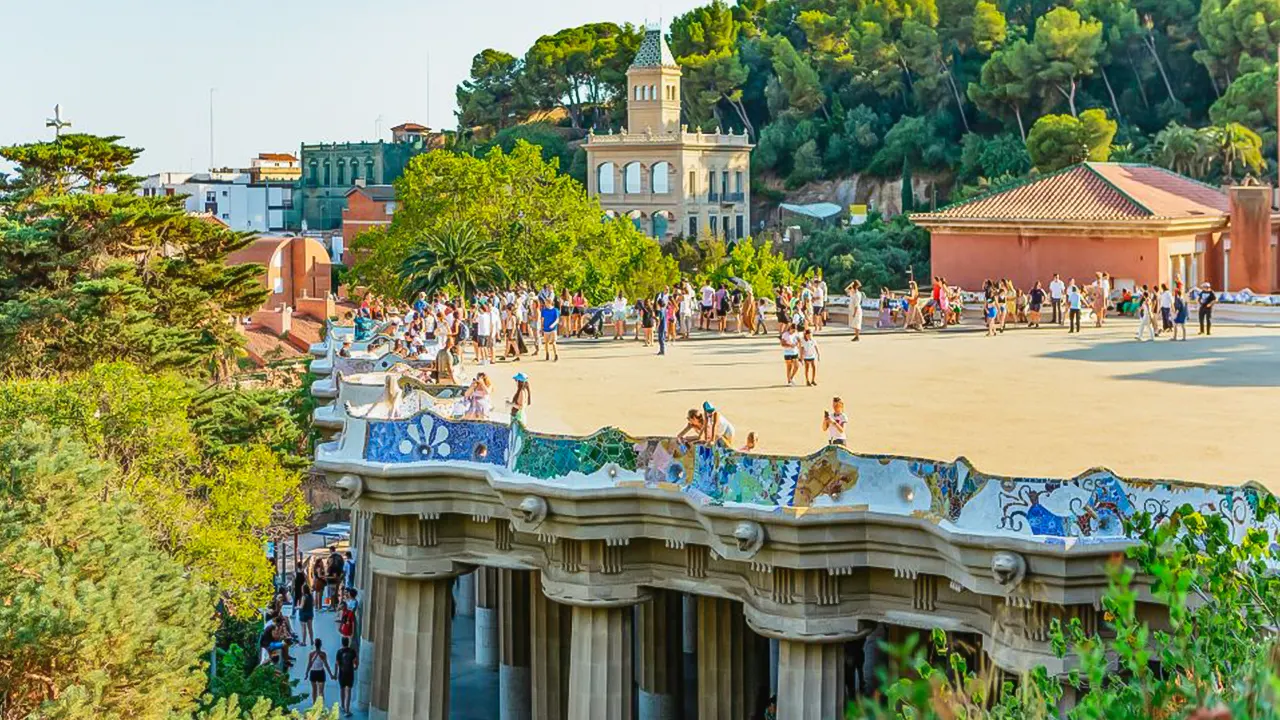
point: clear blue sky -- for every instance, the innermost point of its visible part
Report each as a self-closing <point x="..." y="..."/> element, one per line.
<point x="285" y="71"/>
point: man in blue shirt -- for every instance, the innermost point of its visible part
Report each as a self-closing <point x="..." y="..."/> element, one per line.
<point x="420" y="305"/>
<point x="550" y="324"/>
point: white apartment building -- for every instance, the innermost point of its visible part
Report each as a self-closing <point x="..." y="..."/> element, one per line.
<point x="230" y="196"/>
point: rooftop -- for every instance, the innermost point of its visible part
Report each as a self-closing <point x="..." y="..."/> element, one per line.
<point x="412" y="127"/>
<point x="377" y="193"/>
<point x="654" y="51"/>
<point x="279" y="157"/>
<point x="1092" y="192"/>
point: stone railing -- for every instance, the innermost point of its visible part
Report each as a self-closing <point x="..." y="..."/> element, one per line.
<point x="1087" y="509"/>
<point x="685" y="136"/>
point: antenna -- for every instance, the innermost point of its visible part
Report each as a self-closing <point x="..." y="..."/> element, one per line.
<point x="56" y="122"/>
<point x="428" y="118"/>
<point x="377" y="128"/>
<point x="212" y="90"/>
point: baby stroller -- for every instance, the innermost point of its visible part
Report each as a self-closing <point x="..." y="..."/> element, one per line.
<point x="595" y="324"/>
<point x="930" y="313"/>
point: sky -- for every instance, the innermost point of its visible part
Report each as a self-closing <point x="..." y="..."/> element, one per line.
<point x="281" y="71"/>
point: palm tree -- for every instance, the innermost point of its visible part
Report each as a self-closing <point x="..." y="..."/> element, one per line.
<point x="1181" y="149"/>
<point x="453" y="256"/>
<point x="1236" y="145"/>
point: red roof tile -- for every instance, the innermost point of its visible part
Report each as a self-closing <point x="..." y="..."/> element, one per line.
<point x="1093" y="191"/>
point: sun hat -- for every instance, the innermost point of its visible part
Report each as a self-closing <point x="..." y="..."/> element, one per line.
<point x="708" y="407"/>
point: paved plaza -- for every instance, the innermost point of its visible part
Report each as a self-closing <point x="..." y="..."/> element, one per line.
<point x="1037" y="403"/>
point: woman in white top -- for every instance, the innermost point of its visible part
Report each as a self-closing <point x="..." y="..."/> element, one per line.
<point x="619" y="308"/>
<point x="856" y="297"/>
<point x="717" y="427"/>
<point x="790" y="342"/>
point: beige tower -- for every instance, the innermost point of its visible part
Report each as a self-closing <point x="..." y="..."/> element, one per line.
<point x="668" y="180"/>
<point x="653" y="87"/>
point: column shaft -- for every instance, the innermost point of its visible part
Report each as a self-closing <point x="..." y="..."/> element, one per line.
<point x="601" y="680"/>
<point x="549" y="654"/>
<point x="723" y="664"/>
<point x="513" y="647"/>
<point x="465" y="593"/>
<point x="810" y="680"/>
<point x="661" y="656"/>
<point x="420" y="651"/>
<point x="380" y="649"/>
<point x="487" y="617"/>
<point x="371" y="606"/>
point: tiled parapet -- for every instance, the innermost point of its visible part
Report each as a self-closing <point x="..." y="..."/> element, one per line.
<point x="956" y="496"/>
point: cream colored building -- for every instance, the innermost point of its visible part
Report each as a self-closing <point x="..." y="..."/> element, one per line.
<point x="669" y="180"/>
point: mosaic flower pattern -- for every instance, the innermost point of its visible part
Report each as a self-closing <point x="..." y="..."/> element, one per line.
<point x="430" y="437"/>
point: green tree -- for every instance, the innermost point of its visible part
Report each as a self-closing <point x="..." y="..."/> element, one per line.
<point x="1236" y="146"/>
<point x="91" y="271"/>
<point x="1182" y="150"/>
<point x="581" y="67"/>
<point x="1067" y="48"/>
<point x="1239" y="36"/>
<point x="493" y="95"/>
<point x="1004" y="87"/>
<point x="1099" y="131"/>
<point x="1057" y="141"/>
<point x="454" y="258"/>
<point x="98" y="621"/>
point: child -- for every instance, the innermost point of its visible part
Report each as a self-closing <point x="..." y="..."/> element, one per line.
<point x="809" y="353"/>
<point x="834" y="422"/>
<point x="990" y="312"/>
<point x="751" y="443"/>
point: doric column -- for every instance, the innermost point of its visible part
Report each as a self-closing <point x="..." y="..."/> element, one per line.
<point x="371" y="605"/>
<point x="689" y="640"/>
<point x="378" y="652"/>
<point x="661" y="656"/>
<point x="420" y="651"/>
<point x="549" y="654"/>
<point x="810" y="680"/>
<point x="729" y="662"/>
<point x="464" y="593"/>
<point x="487" y="617"/>
<point x="514" y="632"/>
<point x="601" y="680"/>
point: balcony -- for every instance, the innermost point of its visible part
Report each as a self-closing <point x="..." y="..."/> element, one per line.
<point x="733" y="197"/>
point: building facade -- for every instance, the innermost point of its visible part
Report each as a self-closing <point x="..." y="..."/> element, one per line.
<point x="275" y="166"/>
<point x="331" y="170"/>
<point x="232" y="196"/>
<point x="1144" y="225"/>
<point x="668" y="180"/>
<point x="368" y="206"/>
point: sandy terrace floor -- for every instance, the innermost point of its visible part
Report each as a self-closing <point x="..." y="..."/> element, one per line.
<point x="1035" y="403"/>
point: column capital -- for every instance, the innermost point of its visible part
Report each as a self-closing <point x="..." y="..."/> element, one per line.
<point x="811" y="630"/>
<point x="584" y="594"/>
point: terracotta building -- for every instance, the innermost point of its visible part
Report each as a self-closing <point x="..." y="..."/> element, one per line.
<point x="1142" y="224"/>
<point x="298" y="273"/>
<point x="669" y="180"/>
<point x="368" y="206"/>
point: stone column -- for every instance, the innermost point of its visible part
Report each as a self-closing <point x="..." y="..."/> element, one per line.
<point x="810" y="680"/>
<point x="601" y="680"/>
<point x="487" y="617"/>
<point x="689" y="638"/>
<point x="372" y="604"/>
<point x="773" y="666"/>
<point x="420" y="651"/>
<point x="661" y="656"/>
<point x="378" y="652"/>
<point x="722" y="661"/>
<point x="513" y="649"/>
<point x="549" y="624"/>
<point x="464" y="593"/>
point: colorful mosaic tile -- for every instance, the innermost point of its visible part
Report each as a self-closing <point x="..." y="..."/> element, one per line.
<point x="429" y="437"/>
<point x="547" y="456"/>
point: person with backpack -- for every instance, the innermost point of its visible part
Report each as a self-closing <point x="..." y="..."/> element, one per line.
<point x="347" y="614"/>
<point x="333" y="577"/>
<point x="345" y="663"/>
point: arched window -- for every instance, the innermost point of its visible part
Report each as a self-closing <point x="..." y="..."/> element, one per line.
<point x="661" y="178"/>
<point x="639" y="89"/>
<point x="342" y="172"/>
<point x="355" y="171"/>
<point x="368" y="171"/>
<point x="315" y="179"/>
<point x="661" y="222"/>
<point x="327" y="177"/>
<point x="637" y="219"/>
<point x="653" y="93"/>
<point x="631" y="178"/>
<point x="604" y="178"/>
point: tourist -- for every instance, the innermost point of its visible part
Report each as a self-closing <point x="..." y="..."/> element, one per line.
<point x="299" y="589"/>
<point x="664" y="323"/>
<point x="721" y="300"/>
<point x="886" y="309"/>
<point x="707" y="305"/>
<point x="476" y="399"/>
<point x="333" y="576"/>
<point x="835" y="422"/>
<point x="750" y="444"/>
<point x="1166" y="307"/>
<point x="1102" y="299"/>
<point x="1035" y="301"/>
<point x="619" y="309"/>
<point x="550" y="326"/>
<point x="306" y="609"/>
<point x="790" y="351"/>
<point x="1146" y="318"/>
<point x="856" y="298"/>
<point x="420" y="304"/>
<point x="346" y="661"/>
<point x="1179" y="315"/>
<point x="990" y="311"/>
<point x="646" y="322"/>
<point x="522" y="399"/>
<point x="693" y="427"/>
<point x="1009" y="303"/>
<point x="510" y="334"/>
<point x="1074" y="303"/>
<point x="819" y="302"/>
<point x="685" y="304"/>
<point x="717" y="426"/>
<point x="579" y="303"/>
<point x="809" y="353"/>
<point x="317" y="672"/>
<point x="914" y="319"/>
<point x="1207" y="300"/>
<point x="348" y="570"/>
<point x="1057" y="291"/>
<point x="346" y="621"/>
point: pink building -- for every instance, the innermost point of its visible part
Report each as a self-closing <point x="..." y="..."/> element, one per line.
<point x="1142" y="224"/>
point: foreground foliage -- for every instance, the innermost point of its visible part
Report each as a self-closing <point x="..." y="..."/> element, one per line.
<point x="1212" y="655"/>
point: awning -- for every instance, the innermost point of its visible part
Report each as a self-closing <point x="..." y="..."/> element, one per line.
<point x="820" y="211"/>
